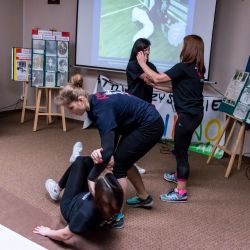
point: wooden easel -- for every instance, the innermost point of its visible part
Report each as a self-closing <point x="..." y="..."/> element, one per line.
<point x="25" y="106"/>
<point x="38" y="107"/>
<point x="48" y="113"/>
<point x="238" y="144"/>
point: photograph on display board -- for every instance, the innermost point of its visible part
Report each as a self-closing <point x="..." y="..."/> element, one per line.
<point x="241" y="111"/>
<point x="23" y="70"/>
<point x="50" y="63"/>
<point x="62" y="78"/>
<point x="38" y="46"/>
<point x="245" y="75"/>
<point x="50" y="79"/>
<point x="235" y="87"/>
<point x="37" y="78"/>
<point x="62" y="64"/>
<point x="50" y="48"/>
<point x="248" y="118"/>
<point x="62" y="49"/>
<point x="37" y="63"/>
<point x="245" y="97"/>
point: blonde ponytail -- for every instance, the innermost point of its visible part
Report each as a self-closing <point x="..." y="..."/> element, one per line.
<point x="71" y="91"/>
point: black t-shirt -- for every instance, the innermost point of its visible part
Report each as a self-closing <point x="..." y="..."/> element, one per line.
<point x="187" y="85"/>
<point x="136" y="86"/>
<point x="113" y="110"/>
<point x="82" y="214"/>
<point x="117" y="113"/>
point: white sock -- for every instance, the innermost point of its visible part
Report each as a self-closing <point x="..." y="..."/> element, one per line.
<point x="77" y="148"/>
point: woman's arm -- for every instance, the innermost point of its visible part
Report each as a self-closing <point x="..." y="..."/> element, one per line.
<point x="108" y="145"/>
<point x="164" y="87"/>
<point x="60" y="234"/>
<point x="156" y="77"/>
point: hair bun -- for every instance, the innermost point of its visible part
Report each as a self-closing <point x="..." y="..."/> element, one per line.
<point x="77" y="81"/>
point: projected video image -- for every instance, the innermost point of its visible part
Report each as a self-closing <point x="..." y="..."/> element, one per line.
<point x="163" y="22"/>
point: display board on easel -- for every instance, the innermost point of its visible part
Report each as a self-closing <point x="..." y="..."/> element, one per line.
<point x="236" y="101"/>
<point x="21" y="64"/>
<point x="49" y="58"/>
<point x="236" y="104"/>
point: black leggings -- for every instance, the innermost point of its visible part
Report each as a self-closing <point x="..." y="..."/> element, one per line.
<point x="132" y="146"/>
<point x="75" y="180"/>
<point x="184" y="129"/>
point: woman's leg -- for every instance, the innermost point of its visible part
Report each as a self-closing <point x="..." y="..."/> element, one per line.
<point x="184" y="129"/>
<point x="136" y="180"/>
<point x="75" y="178"/>
<point x="131" y="148"/>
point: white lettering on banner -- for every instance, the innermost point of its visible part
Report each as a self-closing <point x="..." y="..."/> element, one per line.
<point x="208" y="131"/>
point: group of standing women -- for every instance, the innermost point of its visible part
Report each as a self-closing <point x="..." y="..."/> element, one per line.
<point x="129" y="126"/>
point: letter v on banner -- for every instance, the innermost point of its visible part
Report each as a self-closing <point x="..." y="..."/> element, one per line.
<point x="198" y="132"/>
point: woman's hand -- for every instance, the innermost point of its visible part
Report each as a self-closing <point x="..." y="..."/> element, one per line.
<point x="96" y="155"/>
<point x="42" y="230"/>
<point x="141" y="58"/>
<point x="63" y="234"/>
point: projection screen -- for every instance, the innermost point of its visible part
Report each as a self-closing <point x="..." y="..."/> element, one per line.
<point x="107" y="29"/>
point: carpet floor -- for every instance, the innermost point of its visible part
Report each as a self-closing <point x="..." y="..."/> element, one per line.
<point x="216" y="216"/>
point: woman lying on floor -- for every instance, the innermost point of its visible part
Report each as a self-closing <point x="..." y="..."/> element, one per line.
<point x="80" y="209"/>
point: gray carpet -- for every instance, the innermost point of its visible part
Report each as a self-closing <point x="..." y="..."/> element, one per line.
<point x="217" y="215"/>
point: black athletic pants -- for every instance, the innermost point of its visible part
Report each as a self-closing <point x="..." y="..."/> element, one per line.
<point x="75" y="179"/>
<point x="135" y="144"/>
<point x="184" y="129"/>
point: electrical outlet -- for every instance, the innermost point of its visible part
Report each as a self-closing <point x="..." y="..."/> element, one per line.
<point x="21" y="97"/>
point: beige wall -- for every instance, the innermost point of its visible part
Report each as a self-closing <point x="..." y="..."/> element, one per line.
<point x="231" y="44"/>
<point x="231" y="40"/>
<point x="11" y="24"/>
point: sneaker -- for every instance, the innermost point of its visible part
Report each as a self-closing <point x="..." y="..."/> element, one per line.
<point x="118" y="223"/>
<point x="77" y="148"/>
<point x="53" y="189"/>
<point x="171" y="177"/>
<point x="174" y="196"/>
<point x="140" y="170"/>
<point x="138" y="202"/>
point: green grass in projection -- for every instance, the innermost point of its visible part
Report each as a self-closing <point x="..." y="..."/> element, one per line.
<point x="117" y="40"/>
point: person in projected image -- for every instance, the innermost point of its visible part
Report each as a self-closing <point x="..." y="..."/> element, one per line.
<point x="82" y="210"/>
<point x="152" y="13"/>
<point x="136" y="78"/>
<point x="186" y="81"/>
<point x="124" y="122"/>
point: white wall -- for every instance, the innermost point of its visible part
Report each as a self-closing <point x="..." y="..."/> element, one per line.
<point x="11" y="24"/>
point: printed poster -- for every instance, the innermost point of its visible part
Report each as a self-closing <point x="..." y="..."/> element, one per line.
<point x="21" y="64"/>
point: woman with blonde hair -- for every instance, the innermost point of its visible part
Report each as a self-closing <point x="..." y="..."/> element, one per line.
<point x="128" y="127"/>
<point x="185" y="80"/>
